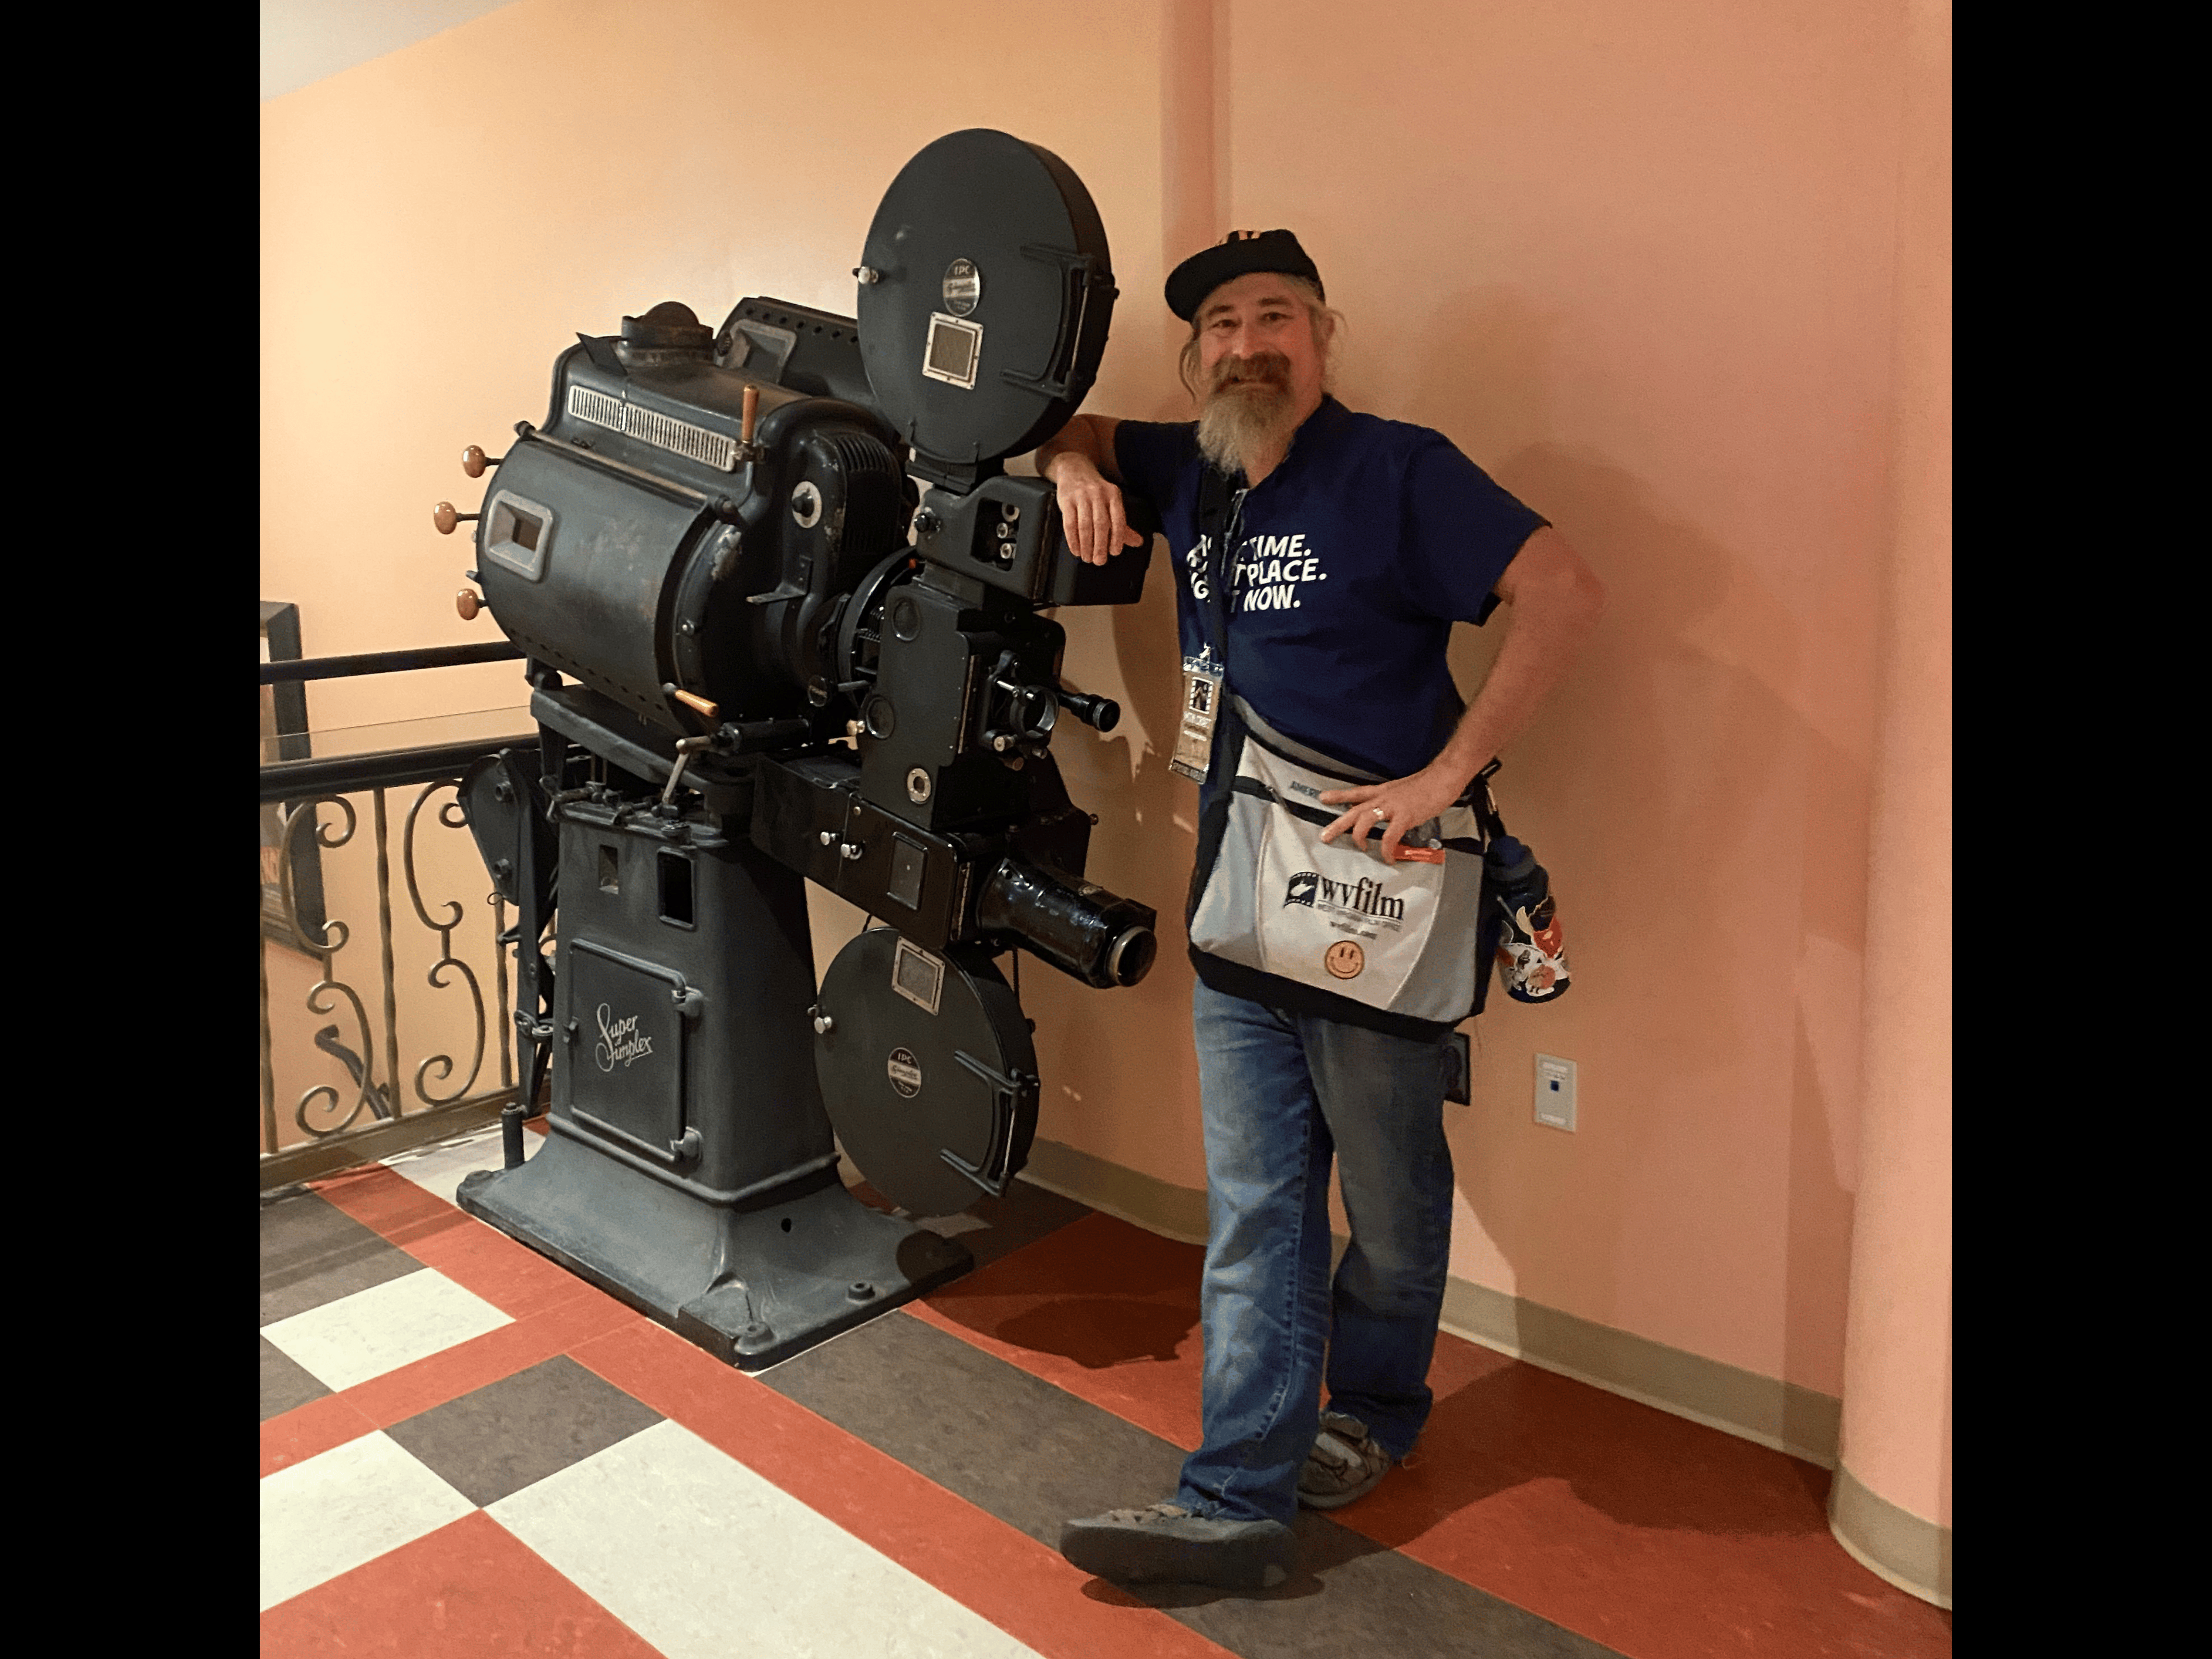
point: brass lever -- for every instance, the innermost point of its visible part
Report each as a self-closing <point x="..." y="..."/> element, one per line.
<point x="474" y="460"/>
<point x="468" y="603"/>
<point x="446" y="517"/>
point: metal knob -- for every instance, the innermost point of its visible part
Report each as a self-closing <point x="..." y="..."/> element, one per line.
<point x="823" y="1024"/>
<point x="468" y="602"/>
<point x="474" y="460"/>
<point x="866" y="274"/>
<point x="851" y="849"/>
<point x="447" y="518"/>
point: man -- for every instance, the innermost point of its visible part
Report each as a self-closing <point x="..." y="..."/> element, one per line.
<point x="1357" y="543"/>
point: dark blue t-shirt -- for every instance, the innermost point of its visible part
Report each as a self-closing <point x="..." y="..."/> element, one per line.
<point x="1354" y="558"/>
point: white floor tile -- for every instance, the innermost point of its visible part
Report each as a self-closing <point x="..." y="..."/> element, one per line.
<point x="383" y="1328"/>
<point x="439" y="1169"/>
<point x="703" y="1557"/>
<point x="349" y="1505"/>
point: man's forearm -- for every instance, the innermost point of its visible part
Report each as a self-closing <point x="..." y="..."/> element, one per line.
<point x="1078" y="437"/>
<point x="1078" y="461"/>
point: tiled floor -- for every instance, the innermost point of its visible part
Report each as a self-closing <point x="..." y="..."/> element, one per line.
<point x="466" y="1450"/>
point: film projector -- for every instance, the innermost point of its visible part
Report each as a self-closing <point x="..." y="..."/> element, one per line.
<point x="782" y="609"/>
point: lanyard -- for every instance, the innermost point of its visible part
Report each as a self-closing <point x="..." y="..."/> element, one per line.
<point x="1204" y="674"/>
<point x="1214" y="499"/>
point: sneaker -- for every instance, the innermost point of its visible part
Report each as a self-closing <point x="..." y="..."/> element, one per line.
<point x="1165" y="1543"/>
<point x="1344" y="1464"/>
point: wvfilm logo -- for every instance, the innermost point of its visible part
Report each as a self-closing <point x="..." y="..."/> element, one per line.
<point x="1365" y="897"/>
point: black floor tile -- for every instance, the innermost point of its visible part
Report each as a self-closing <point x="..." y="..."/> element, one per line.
<point x="1035" y="1457"/>
<point x="512" y="1433"/>
<point x="285" y="1384"/>
<point x="312" y="1252"/>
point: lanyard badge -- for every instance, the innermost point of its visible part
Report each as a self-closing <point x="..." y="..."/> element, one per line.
<point x="1202" y="674"/>
<point x="1201" y="703"/>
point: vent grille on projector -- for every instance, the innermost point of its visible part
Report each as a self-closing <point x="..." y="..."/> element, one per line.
<point x="695" y="443"/>
<point x="875" y="501"/>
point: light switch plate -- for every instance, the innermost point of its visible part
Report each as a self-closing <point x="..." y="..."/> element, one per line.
<point x="1555" y="1092"/>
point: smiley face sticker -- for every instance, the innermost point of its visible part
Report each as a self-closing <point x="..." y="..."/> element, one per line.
<point x="1343" y="959"/>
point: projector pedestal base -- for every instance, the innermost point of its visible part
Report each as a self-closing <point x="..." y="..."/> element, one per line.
<point x="752" y="1284"/>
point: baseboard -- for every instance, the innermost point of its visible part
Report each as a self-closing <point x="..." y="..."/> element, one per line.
<point x="1142" y="1200"/>
<point x="310" y="1160"/>
<point x="1892" y="1543"/>
<point x="1785" y="1416"/>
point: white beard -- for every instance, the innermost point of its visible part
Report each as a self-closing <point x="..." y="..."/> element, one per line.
<point x="1241" y="422"/>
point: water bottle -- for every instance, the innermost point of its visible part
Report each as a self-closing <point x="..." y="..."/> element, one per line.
<point x="1532" y="953"/>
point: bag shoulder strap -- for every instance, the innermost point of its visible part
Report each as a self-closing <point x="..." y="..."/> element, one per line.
<point x="1485" y="804"/>
<point x="1292" y="749"/>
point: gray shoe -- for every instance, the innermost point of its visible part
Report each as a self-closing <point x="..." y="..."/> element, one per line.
<point x="1344" y="1464"/>
<point x="1165" y="1543"/>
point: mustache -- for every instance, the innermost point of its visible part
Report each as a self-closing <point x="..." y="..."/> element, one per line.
<point x="1268" y="368"/>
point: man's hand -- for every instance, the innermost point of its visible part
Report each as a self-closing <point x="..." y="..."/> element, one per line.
<point x="1090" y="510"/>
<point x="1394" y="807"/>
<point x="1551" y="602"/>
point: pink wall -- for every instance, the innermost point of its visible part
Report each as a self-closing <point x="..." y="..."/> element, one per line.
<point x="1637" y="260"/>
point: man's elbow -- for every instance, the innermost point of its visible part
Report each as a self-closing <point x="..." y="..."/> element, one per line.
<point x="1576" y="593"/>
<point x="1571" y="594"/>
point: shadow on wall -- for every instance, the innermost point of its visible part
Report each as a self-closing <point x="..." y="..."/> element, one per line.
<point x="1103" y="1052"/>
<point x="1710" y="845"/>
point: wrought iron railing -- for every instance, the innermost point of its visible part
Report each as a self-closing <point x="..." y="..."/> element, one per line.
<point x="404" y="1083"/>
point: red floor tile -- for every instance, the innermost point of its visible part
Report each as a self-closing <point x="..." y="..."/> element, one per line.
<point x="1655" y="1535"/>
<point x="1002" y="1574"/>
<point x="511" y="1276"/>
<point x="471" y="1589"/>
<point x="309" y="1431"/>
<point x="508" y="1274"/>
<point x="1105" y="1310"/>
<point x="388" y="1203"/>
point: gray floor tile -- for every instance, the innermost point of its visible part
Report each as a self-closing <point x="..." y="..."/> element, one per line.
<point x="312" y="1252"/>
<point x="284" y="1384"/>
<point x="1031" y="1454"/>
<point x="512" y="1433"/>
<point x="1035" y="1455"/>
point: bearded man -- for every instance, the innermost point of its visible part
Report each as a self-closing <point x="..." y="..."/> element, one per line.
<point x="1351" y="545"/>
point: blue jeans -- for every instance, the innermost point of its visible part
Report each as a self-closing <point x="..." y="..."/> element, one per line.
<point x="1281" y="1094"/>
